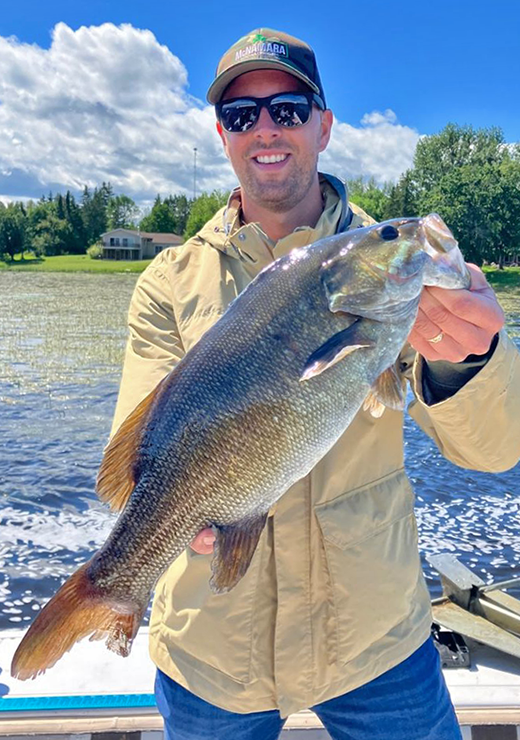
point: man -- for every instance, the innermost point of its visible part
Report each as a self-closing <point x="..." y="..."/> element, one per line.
<point x="333" y="612"/>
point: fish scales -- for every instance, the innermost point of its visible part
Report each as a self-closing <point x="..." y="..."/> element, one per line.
<point x="236" y="436"/>
<point x="250" y="410"/>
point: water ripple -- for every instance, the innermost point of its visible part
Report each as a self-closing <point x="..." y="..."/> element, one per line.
<point x="61" y="346"/>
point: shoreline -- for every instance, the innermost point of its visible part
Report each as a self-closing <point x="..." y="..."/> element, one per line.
<point x="506" y="282"/>
<point x="75" y="263"/>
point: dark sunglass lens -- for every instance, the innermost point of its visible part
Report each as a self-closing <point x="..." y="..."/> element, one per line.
<point x="290" y="110"/>
<point x="238" y="116"/>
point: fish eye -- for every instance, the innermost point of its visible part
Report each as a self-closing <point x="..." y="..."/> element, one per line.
<point x="388" y="233"/>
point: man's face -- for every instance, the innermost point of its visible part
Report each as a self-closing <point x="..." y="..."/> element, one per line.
<point x="282" y="185"/>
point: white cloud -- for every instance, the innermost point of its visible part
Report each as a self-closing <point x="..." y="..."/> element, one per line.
<point x="6" y="199"/>
<point x="381" y="148"/>
<point x="111" y="103"/>
<point x="376" y="118"/>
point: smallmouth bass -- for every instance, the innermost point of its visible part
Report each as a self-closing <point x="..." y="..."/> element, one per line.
<point x="251" y="409"/>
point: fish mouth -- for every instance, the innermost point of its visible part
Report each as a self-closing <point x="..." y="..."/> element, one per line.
<point x="438" y="235"/>
<point x="441" y="245"/>
<point x="384" y="273"/>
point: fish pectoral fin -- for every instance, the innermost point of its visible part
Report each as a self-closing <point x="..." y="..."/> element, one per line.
<point x="116" y="477"/>
<point x="387" y="391"/>
<point x="234" y="549"/>
<point x="335" y="349"/>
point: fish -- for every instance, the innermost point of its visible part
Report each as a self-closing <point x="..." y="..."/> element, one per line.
<point x="249" y="410"/>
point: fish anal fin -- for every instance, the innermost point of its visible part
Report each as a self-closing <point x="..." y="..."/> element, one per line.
<point x="335" y="349"/>
<point x="234" y="548"/>
<point x="75" y="611"/>
<point x="375" y="407"/>
<point x="116" y="477"/>
<point x="387" y="391"/>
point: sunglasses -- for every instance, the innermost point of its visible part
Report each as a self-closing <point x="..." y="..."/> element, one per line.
<point x="238" y="115"/>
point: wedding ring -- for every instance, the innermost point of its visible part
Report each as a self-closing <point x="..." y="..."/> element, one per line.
<point x="438" y="338"/>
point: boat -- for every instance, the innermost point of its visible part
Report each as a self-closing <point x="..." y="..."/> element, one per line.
<point x="92" y="691"/>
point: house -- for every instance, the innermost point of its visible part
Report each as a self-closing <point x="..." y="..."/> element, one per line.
<point x="125" y="244"/>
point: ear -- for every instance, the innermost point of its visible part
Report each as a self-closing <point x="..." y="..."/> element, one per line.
<point x="327" y="119"/>
<point x="223" y="138"/>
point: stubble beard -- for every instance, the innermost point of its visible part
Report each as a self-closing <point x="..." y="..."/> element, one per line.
<point x="281" y="196"/>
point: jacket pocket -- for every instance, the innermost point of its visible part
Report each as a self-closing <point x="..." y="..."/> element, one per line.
<point x="370" y="538"/>
<point x="213" y="629"/>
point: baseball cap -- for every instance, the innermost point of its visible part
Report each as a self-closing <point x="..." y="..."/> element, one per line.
<point x="266" y="49"/>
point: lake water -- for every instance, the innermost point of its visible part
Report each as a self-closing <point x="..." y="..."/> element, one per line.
<point x="61" y="347"/>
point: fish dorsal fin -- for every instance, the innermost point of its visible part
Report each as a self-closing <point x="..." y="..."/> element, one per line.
<point x="388" y="390"/>
<point x="116" y="478"/>
<point x="335" y="349"/>
<point x="234" y="548"/>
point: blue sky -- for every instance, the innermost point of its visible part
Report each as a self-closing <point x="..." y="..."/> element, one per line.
<point x="391" y="71"/>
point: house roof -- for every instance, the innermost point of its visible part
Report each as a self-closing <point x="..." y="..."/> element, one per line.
<point x="121" y="231"/>
<point x="162" y="238"/>
<point x="155" y="237"/>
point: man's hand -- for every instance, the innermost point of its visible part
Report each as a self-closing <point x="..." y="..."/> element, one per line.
<point x="467" y="320"/>
<point x="203" y="542"/>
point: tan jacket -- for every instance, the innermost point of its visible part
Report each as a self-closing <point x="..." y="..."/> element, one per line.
<point x="335" y="594"/>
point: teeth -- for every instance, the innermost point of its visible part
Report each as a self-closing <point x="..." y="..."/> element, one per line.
<point x="272" y="158"/>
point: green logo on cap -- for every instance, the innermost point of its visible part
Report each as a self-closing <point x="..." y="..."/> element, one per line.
<point x="254" y="38"/>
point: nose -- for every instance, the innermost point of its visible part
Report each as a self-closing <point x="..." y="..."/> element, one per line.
<point x="265" y="127"/>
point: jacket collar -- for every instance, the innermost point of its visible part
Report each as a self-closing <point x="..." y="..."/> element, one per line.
<point x="249" y="243"/>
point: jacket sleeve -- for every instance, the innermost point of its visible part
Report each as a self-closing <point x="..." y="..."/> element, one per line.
<point x="479" y="426"/>
<point x="154" y="344"/>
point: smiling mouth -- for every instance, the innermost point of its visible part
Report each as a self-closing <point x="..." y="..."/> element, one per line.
<point x="270" y="158"/>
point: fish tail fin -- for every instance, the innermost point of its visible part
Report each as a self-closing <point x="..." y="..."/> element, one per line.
<point x="78" y="609"/>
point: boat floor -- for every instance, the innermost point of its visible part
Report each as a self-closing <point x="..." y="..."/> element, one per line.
<point x="91" y="690"/>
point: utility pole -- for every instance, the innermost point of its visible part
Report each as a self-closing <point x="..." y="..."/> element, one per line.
<point x="194" y="172"/>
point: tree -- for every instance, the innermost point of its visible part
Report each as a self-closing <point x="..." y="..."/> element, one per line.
<point x="70" y="232"/>
<point x="179" y="206"/>
<point x="12" y="230"/>
<point x="472" y="179"/>
<point x="60" y="206"/>
<point x="454" y="146"/>
<point x="508" y="209"/>
<point x="402" y="198"/>
<point x="51" y="236"/>
<point x="94" y="212"/>
<point x="36" y="213"/>
<point x="74" y="218"/>
<point x="369" y="196"/>
<point x="122" y="212"/>
<point x="169" y="216"/>
<point x="202" y="209"/>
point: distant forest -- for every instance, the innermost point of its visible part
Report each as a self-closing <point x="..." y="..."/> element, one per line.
<point x="471" y="177"/>
<point x="59" y="224"/>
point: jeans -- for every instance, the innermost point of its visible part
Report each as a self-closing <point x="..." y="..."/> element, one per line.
<point x="408" y="702"/>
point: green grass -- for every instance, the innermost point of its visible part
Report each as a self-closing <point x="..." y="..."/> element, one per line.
<point x="74" y="263"/>
<point x="508" y="278"/>
<point x="506" y="284"/>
